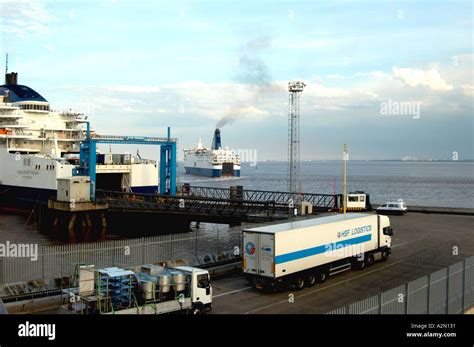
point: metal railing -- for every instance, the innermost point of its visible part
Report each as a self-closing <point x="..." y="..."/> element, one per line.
<point x="98" y="137"/>
<point x="196" y="248"/>
<point x="188" y="205"/>
<point x="319" y="201"/>
<point x="446" y="291"/>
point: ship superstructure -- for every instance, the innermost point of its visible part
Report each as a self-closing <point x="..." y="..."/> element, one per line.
<point x="39" y="145"/>
<point x="214" y="162"/>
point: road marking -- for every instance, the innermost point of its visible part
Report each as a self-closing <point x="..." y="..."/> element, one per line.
<point x="319" y="289"/>
<point x="404" y="243"/>
<point x="232" y="292"/>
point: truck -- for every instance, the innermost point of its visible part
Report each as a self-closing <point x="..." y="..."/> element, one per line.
<point x="151" y="290"/>
<point x="302" y="253"/>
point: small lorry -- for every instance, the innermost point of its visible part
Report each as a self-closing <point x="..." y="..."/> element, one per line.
<point x="153" y="290"/>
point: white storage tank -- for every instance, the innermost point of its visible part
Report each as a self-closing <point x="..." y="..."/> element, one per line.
<point x="75" y="188"/>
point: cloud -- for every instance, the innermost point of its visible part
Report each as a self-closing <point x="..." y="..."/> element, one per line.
<point x="356" y="100"/>
<point x="49" y="47"/>
<point x="335" y="77"/>
<point x="468" y="90"/>
<point x="301" y="44"/>
<point x="418" y="77"/>
<point x="375" y="74"/>
<point x="131" y="89"/>
<point x="24" y="18"/>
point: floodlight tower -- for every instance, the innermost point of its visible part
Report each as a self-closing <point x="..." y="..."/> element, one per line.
<point x="295" y="88"/>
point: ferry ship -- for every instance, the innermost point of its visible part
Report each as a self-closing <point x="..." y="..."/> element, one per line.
<point x="214" y="162"/>
<point x="39" y="145"/>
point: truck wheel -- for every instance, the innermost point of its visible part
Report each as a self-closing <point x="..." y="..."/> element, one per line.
<point x="196" y="310"/>
<point x="370" y="260"/>
<point x="385" y="255"/>
<point x="310" y="280"/>
<point x="299" y="283"/>
<point x="359" y="264"/>
<point x="321" y="276"/>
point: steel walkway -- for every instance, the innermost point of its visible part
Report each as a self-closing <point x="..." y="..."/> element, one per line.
<point x="321" y="202"/>
<point x="209" y="209"/>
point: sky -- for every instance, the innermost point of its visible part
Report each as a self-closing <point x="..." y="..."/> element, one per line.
<point x="391" y="79"/>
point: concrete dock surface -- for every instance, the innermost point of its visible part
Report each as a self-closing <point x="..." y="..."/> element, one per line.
<point x="422" y="243"/>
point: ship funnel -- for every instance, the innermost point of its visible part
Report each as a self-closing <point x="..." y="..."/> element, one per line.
<point x="216" y="141"/>
<point x="11" y="78"/>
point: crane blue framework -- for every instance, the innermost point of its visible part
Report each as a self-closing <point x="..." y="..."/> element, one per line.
<point x="167" y="171"/>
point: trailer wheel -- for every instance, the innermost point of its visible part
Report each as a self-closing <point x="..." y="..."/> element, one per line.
<point x="310" y="280"/>
<point x="299" y="283"/>
<point x="385" y="255"/>
<point x="370" y="260"/>
<point x="321" y="276"/>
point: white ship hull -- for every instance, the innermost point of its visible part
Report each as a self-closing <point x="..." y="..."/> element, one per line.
<point x="200" y="164"/>
<point x="27" y="179"/>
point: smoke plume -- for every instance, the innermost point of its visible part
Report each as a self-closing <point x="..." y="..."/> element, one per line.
<point x="253" y="72"/>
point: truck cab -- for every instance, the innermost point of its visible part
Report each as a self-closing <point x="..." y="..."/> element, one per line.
<point x="201" y="288"/>
<point x="386" y="234"/>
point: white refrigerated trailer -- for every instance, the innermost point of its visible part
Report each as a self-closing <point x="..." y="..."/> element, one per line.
<point x="305" y="252"/>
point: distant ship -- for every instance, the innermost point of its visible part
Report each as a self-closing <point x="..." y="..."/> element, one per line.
<point x="39" y="145"/>
<point x="214" y="162"/>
